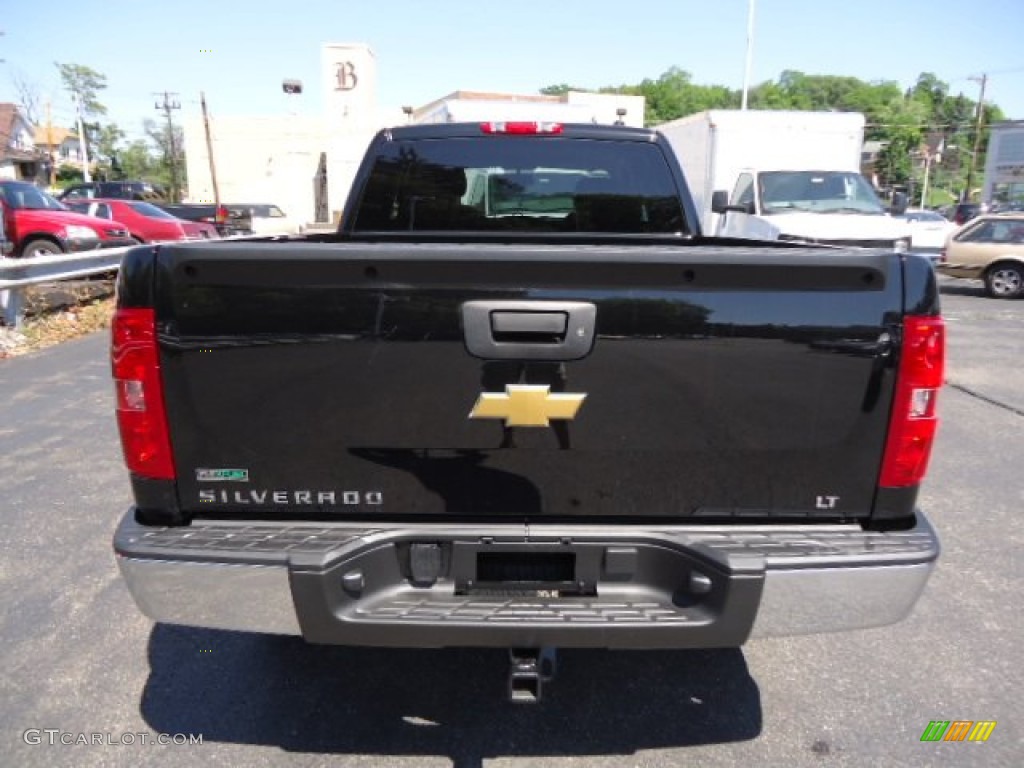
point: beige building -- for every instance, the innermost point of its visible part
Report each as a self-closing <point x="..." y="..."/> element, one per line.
<point x="60" y="144"/>
<point x="274" y="159"/>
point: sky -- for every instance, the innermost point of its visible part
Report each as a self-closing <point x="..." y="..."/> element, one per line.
<point x="239" y="51"/>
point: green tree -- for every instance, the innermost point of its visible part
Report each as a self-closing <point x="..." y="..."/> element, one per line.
<point x="559" y="90"/>
<point x="674" y="95"/>
<point x="137" y="162"/>
<point x="170" y="152"/>
<point x="769" y="95"/>
<point x="105" y="140"/>
<point x="902" y="123"/>
<point x="84" y="83"/>
<point x="901" y="119"/>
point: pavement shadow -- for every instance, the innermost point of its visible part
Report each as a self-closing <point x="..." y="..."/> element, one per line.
<point x="257" y="689"/>
<point x="962" y="288"/>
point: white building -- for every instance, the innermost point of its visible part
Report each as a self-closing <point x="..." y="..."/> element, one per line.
<point x="1004" y="163"/>
<point x="573" y="107"/>
<point x="274" y="159"/>
<point x="19" y="158"/>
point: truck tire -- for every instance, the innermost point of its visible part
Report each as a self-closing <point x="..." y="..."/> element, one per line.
<point x="1004" y="280"/>
<point x="40" y="247"/>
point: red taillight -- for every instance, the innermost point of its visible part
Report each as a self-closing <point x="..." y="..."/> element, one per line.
<point x="141" y="417"/>
<point x="521" y="129"/>
<point x="913" y="421"/>
<point x="221" y="215"/>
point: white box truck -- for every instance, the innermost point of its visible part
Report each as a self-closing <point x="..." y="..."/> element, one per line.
<point x="1004" y="163"/>
<point x="783" y="175"/>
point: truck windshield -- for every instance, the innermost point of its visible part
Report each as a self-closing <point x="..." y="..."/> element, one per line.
<point x="27" y="197"/>
<point x="520" y="183"/>
<point x="818" y="192"/>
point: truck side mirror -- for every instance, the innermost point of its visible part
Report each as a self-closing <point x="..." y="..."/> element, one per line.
<point x="899" y="203"/>
<point x="720" y="203"/>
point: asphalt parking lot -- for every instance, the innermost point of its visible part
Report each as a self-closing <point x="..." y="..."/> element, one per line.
<point x="78" y="658"/>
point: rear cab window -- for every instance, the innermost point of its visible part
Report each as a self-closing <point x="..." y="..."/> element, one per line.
<point x="509" y="184"/>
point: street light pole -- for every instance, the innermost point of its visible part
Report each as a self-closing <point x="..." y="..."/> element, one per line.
<point x="750" y="52"/>
<point x="86" y="176"/>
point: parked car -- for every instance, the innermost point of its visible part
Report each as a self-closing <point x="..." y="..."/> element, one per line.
<point x="38" y="225"/>
<point x="928" y="229"/>
<point x="991" y="249"/>
<point x="6" y="246"/>
<point x="145" y="222"/>
<point x="227" y="221"/>
<point x="268" y="219"/>
<point x="121" y="190"/>
<point x="964" y="212"/>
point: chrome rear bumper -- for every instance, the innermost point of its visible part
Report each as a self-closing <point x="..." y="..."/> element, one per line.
<point x="655" y="587"/>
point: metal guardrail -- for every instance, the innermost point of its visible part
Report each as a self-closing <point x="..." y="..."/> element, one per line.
<point x="18" y="274"/>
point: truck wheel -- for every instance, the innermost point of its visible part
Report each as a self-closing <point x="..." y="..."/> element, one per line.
<point x="40" y="248"/>
<point x="1004" y="281"/>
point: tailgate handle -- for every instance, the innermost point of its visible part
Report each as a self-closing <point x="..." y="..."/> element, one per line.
<point x="551" y="324"/>
<point x="529" y="330"/>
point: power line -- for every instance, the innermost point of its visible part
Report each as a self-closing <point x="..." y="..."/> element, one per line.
<point x="1008" y="71"/>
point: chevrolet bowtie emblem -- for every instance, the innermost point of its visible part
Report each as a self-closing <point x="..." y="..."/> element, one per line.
<point x="526" y="405"/>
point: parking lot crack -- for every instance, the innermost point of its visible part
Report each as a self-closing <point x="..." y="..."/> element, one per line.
<point x="985" y="398"/>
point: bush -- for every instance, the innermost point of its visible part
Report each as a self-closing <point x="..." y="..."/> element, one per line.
<point x="68" y="174"/>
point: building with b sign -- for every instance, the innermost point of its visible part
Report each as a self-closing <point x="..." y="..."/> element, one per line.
<point x="306" y="164"/>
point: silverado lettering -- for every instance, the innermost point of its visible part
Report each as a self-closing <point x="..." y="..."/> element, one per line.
<point x="757" y="419"/>
<point x="347" y="498"/>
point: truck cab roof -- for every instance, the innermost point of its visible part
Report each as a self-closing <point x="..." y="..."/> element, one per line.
<point x="472" y="130"/>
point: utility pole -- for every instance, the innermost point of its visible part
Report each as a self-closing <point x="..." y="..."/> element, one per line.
<point x="171" y="102"/>
<point x="49" y="145"/>
<point x="927" y="173"/>
<point x="209" y="150"/>
<point x="750" y="52"/>
<point x="977" y="136"/>
<point x="86" y="176"/>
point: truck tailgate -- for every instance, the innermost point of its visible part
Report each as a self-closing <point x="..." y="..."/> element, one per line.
<point x="322" y="381"/>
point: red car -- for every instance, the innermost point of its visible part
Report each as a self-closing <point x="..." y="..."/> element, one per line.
<point x="37" y="225"/>
<point x="145" y="222"/>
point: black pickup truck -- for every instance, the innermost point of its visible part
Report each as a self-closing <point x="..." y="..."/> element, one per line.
<point x="518" y="400"/>
<point x="229" y="220"/>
